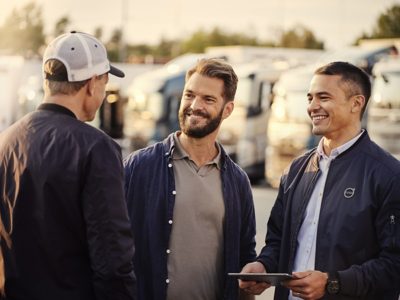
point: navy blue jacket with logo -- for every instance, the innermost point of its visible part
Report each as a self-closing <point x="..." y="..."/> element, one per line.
<point x="150" y="187"/>
<point x="359" y="226"/>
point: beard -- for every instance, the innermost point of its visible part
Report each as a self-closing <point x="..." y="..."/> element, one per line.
<point x="197" y="131"/>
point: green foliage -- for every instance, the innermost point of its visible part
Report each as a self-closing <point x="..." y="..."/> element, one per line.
<point x="300" y="37"/>
<point x="387" y="25"/>
<point x="115" y="46"/>
<point x="61" y="26"/>
<point x="22" y="31"/>
<point x="98" y="32"/>
<point x="216" y="37"/>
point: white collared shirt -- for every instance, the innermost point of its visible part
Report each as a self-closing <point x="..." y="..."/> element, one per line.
<point x="307" y="238"/>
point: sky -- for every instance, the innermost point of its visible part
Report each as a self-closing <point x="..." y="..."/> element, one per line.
<point x="336" y="22"/>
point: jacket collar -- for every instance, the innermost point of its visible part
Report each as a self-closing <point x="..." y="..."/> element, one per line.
<point x="56" y="108"/>
<point x="357" y="147"/>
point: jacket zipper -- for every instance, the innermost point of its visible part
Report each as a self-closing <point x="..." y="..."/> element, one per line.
<point x="393" y="227"/>
<point x="298" y="225"/>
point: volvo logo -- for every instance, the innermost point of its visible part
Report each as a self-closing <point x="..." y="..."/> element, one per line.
<point x="349" y="192"/>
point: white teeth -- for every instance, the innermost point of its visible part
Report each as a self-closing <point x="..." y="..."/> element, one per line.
<point x="319" y="117"/>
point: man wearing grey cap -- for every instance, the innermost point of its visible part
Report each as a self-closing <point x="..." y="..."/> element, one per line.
<point x="65" y="232"/>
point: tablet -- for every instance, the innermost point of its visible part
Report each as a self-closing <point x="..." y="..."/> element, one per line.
<point x="271" y="278"/>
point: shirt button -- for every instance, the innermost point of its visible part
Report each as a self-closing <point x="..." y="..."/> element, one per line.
<point x="168" y="251"/>
<point x="170" y="165"/>
<point x="173" y="192"/>
<point x="167" y="280"/>
<point x="170" y="221"/>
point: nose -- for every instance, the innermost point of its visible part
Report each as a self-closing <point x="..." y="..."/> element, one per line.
<point x="196" y="104"/>
<point x="313" y="104"/>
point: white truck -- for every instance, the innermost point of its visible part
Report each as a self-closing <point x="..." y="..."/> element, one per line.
<point x="384" y="107"/>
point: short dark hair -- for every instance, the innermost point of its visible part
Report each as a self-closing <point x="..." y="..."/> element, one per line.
<point x="56" y="67"/>
<point x="217" y="68"/>
<point x="356" y="79"/>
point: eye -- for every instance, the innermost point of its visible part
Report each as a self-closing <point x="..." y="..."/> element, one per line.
<point x="323" y="98"/>
<point x="188" y="95"/>
<point x="210" y="100"/>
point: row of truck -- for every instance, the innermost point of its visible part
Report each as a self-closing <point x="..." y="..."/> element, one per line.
<point x="269" y="125"/>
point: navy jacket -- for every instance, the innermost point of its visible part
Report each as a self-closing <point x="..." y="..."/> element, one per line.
<point x="150" y="196"/>
<point x="63" y="208"/>
<point x="359" y="226"/>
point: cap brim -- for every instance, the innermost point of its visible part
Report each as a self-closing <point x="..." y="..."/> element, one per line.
<point x="116" y="72"/>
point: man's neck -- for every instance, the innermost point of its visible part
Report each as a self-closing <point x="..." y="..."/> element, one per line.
<point x="200" y="150"/>
<point x="333" y="141"/>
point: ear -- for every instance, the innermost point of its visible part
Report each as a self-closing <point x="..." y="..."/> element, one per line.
<point x="228" y="108"/>
<point x="358" y="102"/>
<point x="90" y="86"/>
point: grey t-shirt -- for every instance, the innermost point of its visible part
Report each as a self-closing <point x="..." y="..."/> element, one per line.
<point x="195" y="262"/>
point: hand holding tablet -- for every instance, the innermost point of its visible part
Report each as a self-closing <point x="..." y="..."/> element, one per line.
<point x="271" y="278"/>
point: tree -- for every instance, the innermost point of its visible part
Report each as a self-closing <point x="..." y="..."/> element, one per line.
<point x="388" y="24"/>
<point x="300" y="37"/>
<point x="216" y="37"/>
<point x="61" y="26"/>
<point x="98" y="32"/>
<point x="22" y="31"/>
<point x="114" y="46"/>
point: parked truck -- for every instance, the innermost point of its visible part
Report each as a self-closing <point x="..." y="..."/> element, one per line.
<point x="384" y="107"/>
<point x="243" y="134"/>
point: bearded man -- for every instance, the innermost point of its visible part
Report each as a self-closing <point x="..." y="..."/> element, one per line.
<point x="191" y="206"/>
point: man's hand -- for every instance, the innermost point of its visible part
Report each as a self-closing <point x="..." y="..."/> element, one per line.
<point x="252" y="287"/>
<point x="308" y="285"/>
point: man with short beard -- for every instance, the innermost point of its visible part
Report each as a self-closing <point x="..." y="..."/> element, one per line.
<point x="191" y="207"/>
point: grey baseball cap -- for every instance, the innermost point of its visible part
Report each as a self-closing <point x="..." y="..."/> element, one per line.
<point x="83" y="56"/>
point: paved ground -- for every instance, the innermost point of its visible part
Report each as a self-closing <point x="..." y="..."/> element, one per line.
<point x="264" y="198"/>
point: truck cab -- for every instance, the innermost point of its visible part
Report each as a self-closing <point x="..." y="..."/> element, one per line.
<point x="243" y="134"/>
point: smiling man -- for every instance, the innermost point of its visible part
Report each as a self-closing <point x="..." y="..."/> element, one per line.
<point x="191" y="207"/>
<point x="336" y="221"/>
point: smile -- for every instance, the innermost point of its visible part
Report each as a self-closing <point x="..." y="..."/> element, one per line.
<point x="318" y="118"/>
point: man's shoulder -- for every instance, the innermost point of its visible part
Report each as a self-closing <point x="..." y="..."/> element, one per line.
<point x="147" y="155"/>
<point x="234" y="169"/>
<point x="380" y="158"/>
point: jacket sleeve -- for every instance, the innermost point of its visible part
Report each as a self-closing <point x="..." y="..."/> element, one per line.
<point x="269" y="255"/>
<point x="383" y="272"/>
<point x="109" y="237"/>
